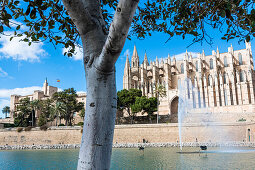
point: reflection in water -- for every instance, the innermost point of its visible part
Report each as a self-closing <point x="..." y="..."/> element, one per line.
<point x="132" y="158"/>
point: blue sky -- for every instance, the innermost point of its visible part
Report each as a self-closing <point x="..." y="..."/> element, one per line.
<point x="24" y="68"/>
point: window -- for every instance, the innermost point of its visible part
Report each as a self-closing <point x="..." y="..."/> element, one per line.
<point x="209" y="83"/>
<point x="196" y="66"/>
<point x="182" y="69"/>
<point x="241" y="77"/>
<point x="211" y="63"/>
<point x="224" y="78"/>
<point x="240" y="58"/>
<point x="225" y="61"/>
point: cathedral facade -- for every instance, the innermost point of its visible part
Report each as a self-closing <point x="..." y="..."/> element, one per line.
<point x="224" y="82"/>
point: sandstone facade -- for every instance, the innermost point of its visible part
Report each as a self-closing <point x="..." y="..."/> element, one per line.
<point x="222" y="82"/>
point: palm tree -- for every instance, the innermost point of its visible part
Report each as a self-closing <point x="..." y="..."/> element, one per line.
<point x="58" y="112"/>
<point x="160" y="91"/>
<point x="6" y="110"/>
<point x="35" y="105"/>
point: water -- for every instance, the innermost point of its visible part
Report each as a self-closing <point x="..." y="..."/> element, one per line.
<point x="132" y="158"/>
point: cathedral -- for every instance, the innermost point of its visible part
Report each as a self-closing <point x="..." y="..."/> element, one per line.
<point x="224" y="82"/>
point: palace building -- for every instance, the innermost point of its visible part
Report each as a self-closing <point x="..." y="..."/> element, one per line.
<point x="224" y="82"/>
<point x="45" y="93"/>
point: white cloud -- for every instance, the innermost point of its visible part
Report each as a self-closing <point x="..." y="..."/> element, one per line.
<point x="14" y="24"/>
<point x="6" y="93"/>
<point x="3" y="73"/>
<point x="181" y="55"/>
<point x="19" y="50"/>
<point x="78" y="54"/>
<point x="125" y="54"/>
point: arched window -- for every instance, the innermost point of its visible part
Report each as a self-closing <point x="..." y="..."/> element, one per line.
<point x="211" y="63"/>
<point x="241" y="77"/>
<point x="240" y="58"/>
<point x="196" y="65"/>
<point x="182" y="69"/>
<point x="224" y="78"/>
<point x="209" y="83"/>
<point x="225" y="61"/>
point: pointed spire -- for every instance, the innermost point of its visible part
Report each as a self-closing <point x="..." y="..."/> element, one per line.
<point x="145" y="61"/>
<point x="135" y="58"/>
<point x="248" y="45"/>
<point x="127" y="65"/>
<point x="46" y="81"/>
<point x="157" y="63"/>
<point x="230" y="49"/>
<point x="135" y="54"/>
<point x="218" y="52"/>
<point x="162" y="61"/>
<point x="168" y="60"/>
<point x="203" y="54"/>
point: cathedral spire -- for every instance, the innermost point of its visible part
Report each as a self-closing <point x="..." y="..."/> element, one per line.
<point x="127" y="65"/>
<point x="135" y="58"/>
<point x="157" y="63"/>
<point x="218" y="52"/>
<point x="145" y="61"/>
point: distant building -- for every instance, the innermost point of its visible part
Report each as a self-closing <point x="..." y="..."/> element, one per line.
<point x="224" y="82"/>
<point x="46" y="93"/>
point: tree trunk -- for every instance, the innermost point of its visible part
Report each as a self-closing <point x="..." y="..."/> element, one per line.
<point x="98" y="129"/>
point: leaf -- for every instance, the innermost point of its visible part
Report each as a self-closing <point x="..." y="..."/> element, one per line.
<point x="1" y="28"/>
<point x="18" y="27"/>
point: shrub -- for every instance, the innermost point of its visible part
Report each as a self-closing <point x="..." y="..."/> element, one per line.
<point x="242" y="120"/>
<point x="80" y="124"/>
<point x="44" y="127"/>
<point x="61" y="124"/>
<point x="19" y="129"/>
<point x="28" y="128"/>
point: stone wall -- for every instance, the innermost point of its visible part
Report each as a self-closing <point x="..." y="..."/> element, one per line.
<point x="153" y="133"/>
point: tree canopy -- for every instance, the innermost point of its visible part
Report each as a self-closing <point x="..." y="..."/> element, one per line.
<point x="48" y="20"/>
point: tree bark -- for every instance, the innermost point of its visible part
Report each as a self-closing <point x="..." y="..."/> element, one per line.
<point x="101" y="50"/>
<point x="98" y="128"/>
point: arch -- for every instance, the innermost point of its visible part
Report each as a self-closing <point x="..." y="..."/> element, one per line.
<point x="211" y="64"/>
<point x="174" y="110"/>
<point x="240" y="59"/>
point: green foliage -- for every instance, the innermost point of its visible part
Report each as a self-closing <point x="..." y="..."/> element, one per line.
<point x="82" y="113"/>
<point x="6" y="110"/>
<point x="242" y="120"/>
<point x="80" y="124"/>
<point x="67" y="98"/>
<point x="22" y="113"/>
<point x="144" y="104"/>
<point x="61" y="124"/>
<point x="42" y="120"/>
<point x="125" y="98"/>
<point x="160" y="90"/>
<point x="49" y="21"/>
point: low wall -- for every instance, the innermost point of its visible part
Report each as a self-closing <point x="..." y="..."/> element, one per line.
<point x="153" y="133"/>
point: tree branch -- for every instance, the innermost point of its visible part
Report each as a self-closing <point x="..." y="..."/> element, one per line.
<point x="117" y="35"/>
<point x="80" y="12"/>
